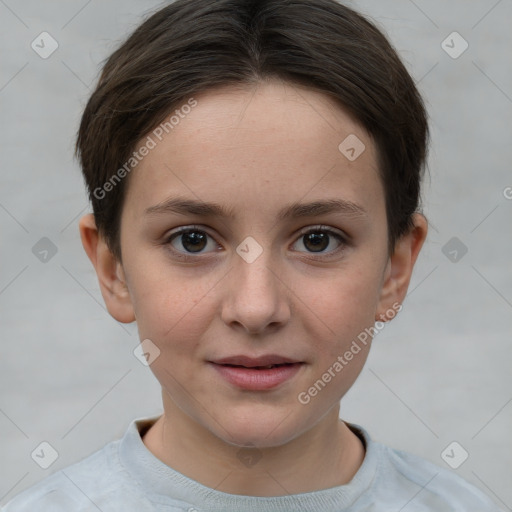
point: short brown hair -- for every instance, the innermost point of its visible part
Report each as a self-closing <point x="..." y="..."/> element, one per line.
<point x="191" y="46"/>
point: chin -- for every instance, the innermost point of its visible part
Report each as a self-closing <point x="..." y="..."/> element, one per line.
<point x="262" y="429"/>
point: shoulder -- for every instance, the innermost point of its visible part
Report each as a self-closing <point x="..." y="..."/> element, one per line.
<point x="92" y="484"/>
<point x="429" y="487"/>
<point x="394" y="480"/>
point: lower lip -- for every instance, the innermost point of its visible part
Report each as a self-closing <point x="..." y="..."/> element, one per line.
<point x="257" y="380"/>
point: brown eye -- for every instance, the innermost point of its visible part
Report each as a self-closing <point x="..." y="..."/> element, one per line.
<point x="189" y="240"/>
<point x="193" y="241"/>
<point x="318" y="240"/>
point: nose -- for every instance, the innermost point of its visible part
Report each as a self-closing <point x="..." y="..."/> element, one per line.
<point x="256" y="298"/>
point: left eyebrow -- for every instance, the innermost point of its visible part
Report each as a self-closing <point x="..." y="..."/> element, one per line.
<point x="186" y="206"/>
<point x="322" y="207"/>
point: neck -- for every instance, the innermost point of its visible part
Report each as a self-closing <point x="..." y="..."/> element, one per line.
<point x="327" y="455"/>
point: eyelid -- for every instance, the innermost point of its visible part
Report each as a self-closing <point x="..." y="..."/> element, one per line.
<point x="190" y="227"/>
<point x="323" y="227"/>
<point x="186" y="229"/>
<point x="303" y="231"/>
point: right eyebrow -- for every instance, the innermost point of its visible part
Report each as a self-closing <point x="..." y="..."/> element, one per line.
<point x="185" y="206"/>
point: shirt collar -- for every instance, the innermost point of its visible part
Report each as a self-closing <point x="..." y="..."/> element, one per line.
<point x="163" y="484"/>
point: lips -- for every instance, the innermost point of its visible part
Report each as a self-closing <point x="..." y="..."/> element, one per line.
<point x="265" y="361"/>
<point x="268" y="367"/>
<point x="257" y="373"/>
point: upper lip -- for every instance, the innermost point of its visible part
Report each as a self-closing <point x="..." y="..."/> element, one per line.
<point x="251" y="362"/>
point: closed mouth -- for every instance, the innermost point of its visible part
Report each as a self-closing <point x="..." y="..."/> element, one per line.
<point x="268" y="367"/>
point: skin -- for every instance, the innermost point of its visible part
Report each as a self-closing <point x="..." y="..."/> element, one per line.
<point x="253" y="150"/>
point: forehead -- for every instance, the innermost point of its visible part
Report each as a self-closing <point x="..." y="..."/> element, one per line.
<point x="268" y="144"/>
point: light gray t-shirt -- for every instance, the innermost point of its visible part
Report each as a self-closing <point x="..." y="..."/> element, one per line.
<point x="125" y="476"/>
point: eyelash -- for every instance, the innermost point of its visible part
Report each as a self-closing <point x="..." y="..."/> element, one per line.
<point x="314" y="229"/>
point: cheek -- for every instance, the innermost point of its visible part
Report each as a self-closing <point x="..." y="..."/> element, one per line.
<point x="339" y="333"/>
<point x="344" y="306"/>
<point x="173" y="309"/>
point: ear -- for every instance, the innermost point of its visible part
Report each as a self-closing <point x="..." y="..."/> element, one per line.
<point x="399" y="269"/>
<point x="109" y="271"/>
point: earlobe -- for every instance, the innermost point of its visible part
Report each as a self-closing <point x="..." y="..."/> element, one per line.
<point x="399" y="268"/>
<point x="111" y="276"/>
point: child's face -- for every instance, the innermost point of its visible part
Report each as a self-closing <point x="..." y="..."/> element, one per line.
<point x="253" y="153"/>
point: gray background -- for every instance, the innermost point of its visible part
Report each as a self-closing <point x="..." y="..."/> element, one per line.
<point x="440" y="372"/>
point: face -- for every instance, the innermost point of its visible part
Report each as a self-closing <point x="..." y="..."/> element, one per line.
<point x="210" y="287"/>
